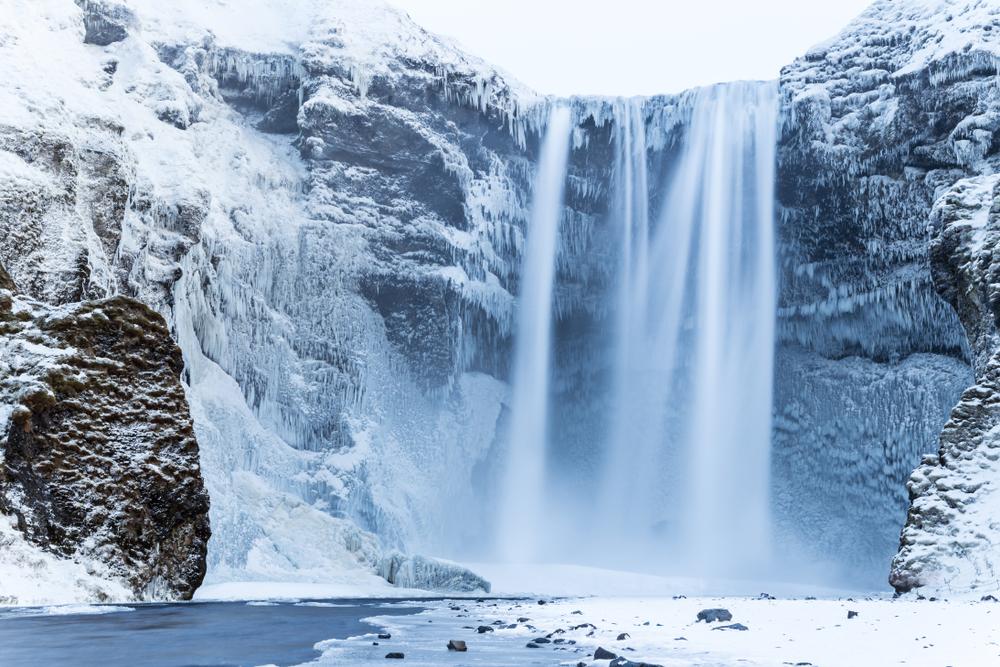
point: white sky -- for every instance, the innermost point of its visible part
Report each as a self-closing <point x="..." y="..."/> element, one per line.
<point x="635" y="47"/>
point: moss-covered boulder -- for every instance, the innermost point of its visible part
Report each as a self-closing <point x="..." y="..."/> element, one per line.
<point x="99" y="458"/>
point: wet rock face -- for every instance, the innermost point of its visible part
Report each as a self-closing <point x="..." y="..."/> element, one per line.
<point x="100" y="461"/>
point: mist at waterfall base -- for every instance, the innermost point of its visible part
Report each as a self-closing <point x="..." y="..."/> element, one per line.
<point x="681" y="484"/>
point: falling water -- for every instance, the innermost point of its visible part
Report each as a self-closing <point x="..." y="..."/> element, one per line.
<point x="523" y="490"/>
<point x="688" y="459"/>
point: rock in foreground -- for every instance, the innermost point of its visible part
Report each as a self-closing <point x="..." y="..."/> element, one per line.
<point x="99" y="459"/>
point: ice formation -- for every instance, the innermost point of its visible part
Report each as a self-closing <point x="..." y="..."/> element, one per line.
<point x="329" y="207"/>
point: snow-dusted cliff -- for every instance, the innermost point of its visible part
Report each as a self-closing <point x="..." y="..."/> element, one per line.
<point x="882" y="120"/>
<point x="327" y="205"/>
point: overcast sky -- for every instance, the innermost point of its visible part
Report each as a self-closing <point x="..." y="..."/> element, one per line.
<point x="635" y="47"/>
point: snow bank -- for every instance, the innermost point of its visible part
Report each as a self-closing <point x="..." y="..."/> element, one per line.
<point x="664" y="631"/>
<point x="32" y="577"/>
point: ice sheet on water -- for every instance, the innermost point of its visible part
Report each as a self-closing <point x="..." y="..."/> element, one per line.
<point x="63" y="610"/>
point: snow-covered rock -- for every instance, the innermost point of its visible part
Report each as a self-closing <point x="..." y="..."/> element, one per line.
<point x="327" y="205"/>
<point x="949" y="541"/>
<point x="100" y="464"/>
<point x="879" y="122"/>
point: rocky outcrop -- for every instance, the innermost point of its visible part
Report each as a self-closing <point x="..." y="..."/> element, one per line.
<point x="99" y="459"/>
<point x="949" y="541"/>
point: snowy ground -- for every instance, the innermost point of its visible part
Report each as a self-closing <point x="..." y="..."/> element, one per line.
<point x="664" y="631"/>
<point x="790" y="630"/>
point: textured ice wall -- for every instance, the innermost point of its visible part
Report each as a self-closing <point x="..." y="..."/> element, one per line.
<point x="879" y="122"/>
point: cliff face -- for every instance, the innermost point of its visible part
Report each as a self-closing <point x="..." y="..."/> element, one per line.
<point x="329" y="216"/>
<point x="948" y="542"/>
<point x="882" y="122"/>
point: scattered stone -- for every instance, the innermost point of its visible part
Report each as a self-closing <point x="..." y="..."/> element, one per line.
<point x="647" y="623"/>
<point x="468" y="627"/>
<point x="766" y="596"/>
<point x="601" y="654"/>
<point x="497" y="622"/>
<point x="542" y="602"/>
<point x="542" y="640"/>
<point x="480" y="600"/>
<point x="810" y="598"/>
<point x="710" y="615"/>
<point x="523" y="620"/>
<point x="559" y="641"/>
<point x="680" y="597"/>
<point x="394" y="656"/>
<point x="680" y="639"/>
<point x="509" y="627"/>
<point x="988" y="598"/>
<point x="623" y="662"/>
<point x="533" y="645"/>
<point x="734" y="626"/>
<point x="457" y="645"/>
<point x="623" y="636"/>
<point x="851" y="614"/>
<point x="482" y="629"/>
<point x="374" y="643"/>
<point x="577" y="612"/>
<point x="385" y="636"/>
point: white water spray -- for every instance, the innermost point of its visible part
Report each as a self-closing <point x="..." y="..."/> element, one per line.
<point x="688" y="461"/>
<point x="523" y="491"/>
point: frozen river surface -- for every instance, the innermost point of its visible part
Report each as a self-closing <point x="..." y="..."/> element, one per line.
<point x="194" y="634"/>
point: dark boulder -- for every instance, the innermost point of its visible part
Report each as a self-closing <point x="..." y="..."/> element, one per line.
<point x="457" y="645"/>
<point x="710" y="615"/>
<point x="601" y="654"/>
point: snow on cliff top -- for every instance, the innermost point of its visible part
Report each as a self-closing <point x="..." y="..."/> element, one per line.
<point x="368" y="33"/>
<point x="918" y="33"/>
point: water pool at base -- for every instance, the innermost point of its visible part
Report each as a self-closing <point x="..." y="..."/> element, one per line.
<point x="190" y="634"/>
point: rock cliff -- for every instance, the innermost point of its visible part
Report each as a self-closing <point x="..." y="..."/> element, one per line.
<point x="326" y="206"/>
<point x="100" y="463"/>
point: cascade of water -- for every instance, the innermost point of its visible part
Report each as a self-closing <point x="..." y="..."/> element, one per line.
<point x="689" y="446"/>
<point x="523" y="490"/>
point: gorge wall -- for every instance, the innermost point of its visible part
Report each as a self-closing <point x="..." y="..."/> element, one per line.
<point x="329" y="217"/>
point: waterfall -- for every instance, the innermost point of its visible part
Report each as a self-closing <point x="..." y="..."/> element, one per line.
<point x="687" y="466"/>
<point x="523" y="490"/>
